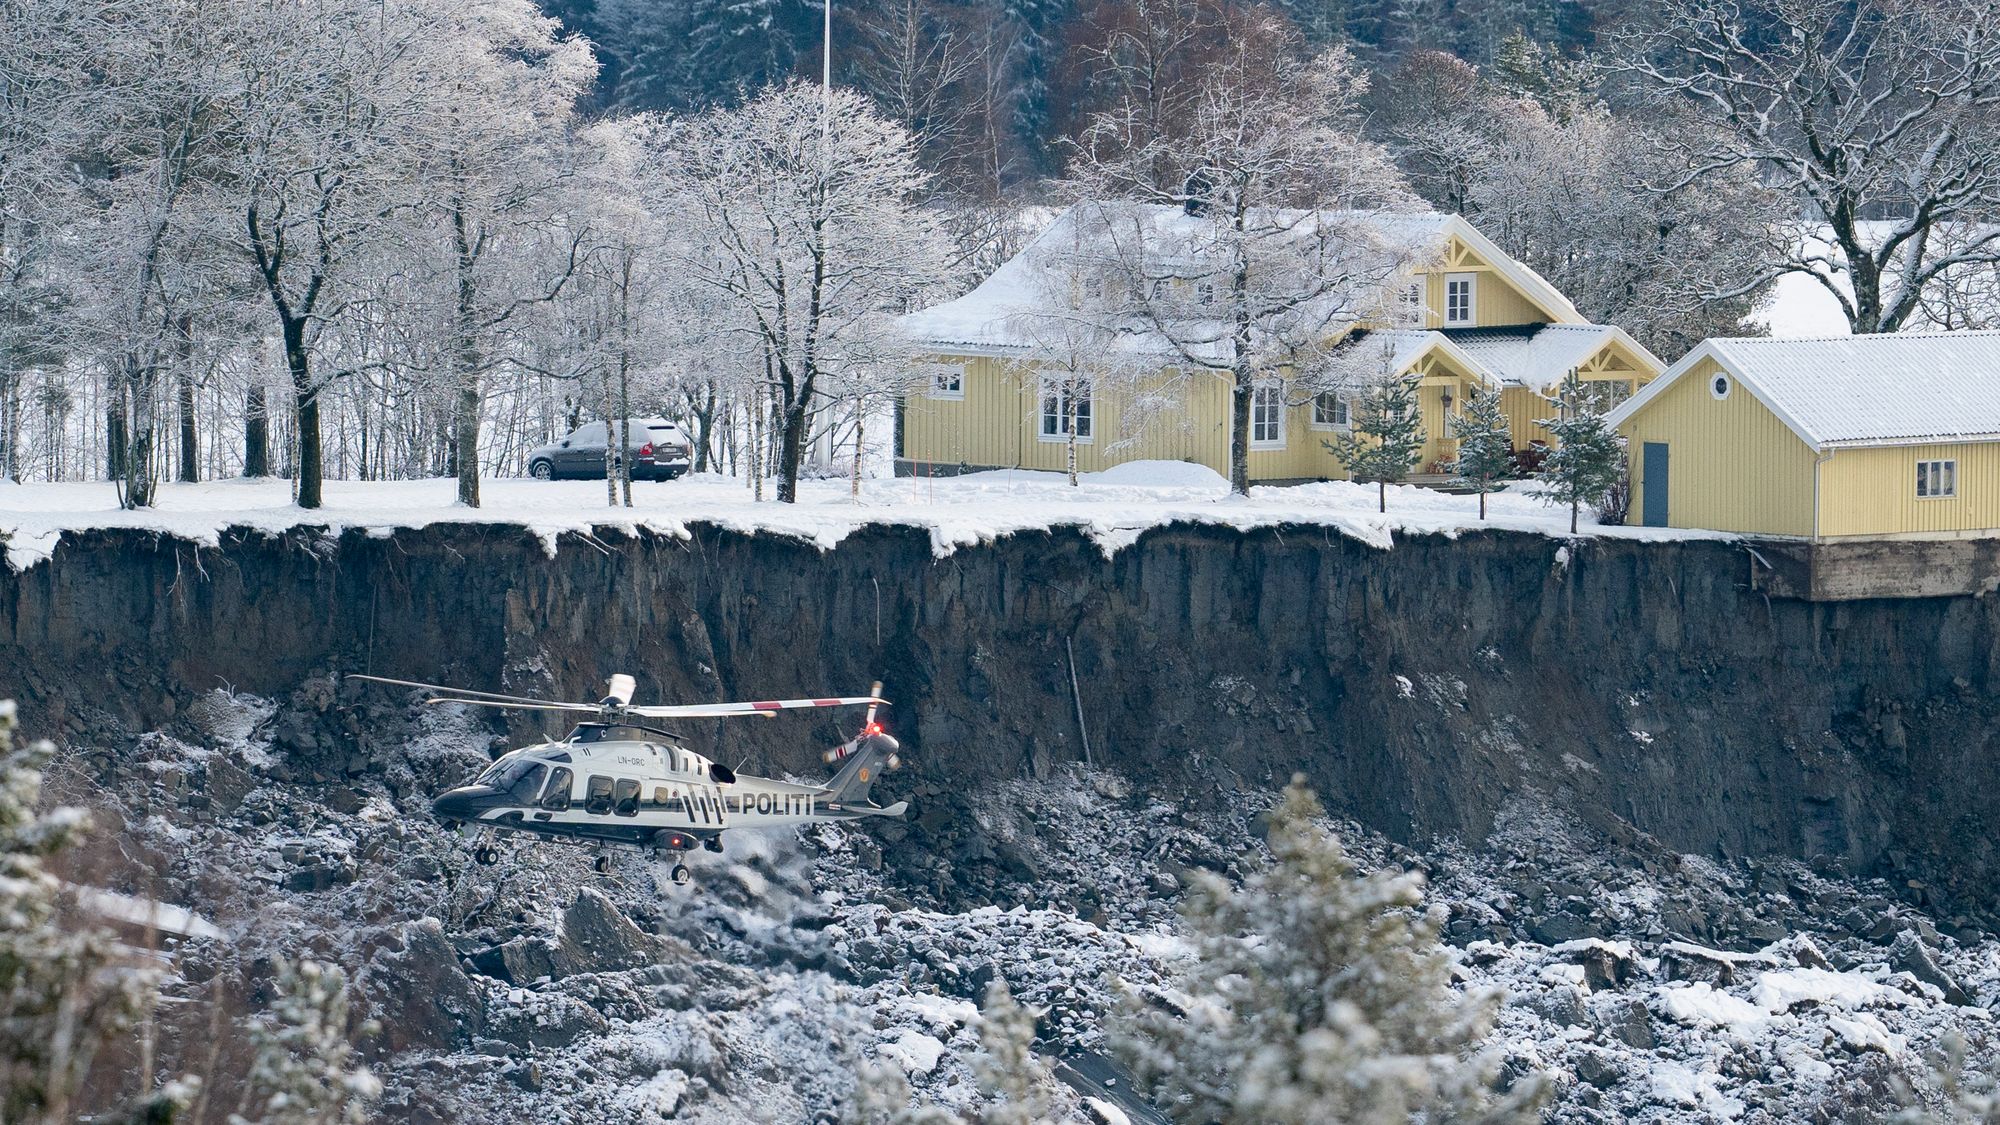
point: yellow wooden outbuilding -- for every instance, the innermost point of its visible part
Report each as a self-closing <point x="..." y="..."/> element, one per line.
<point x="1841" y="438"/>
<point x="989" y="392"/>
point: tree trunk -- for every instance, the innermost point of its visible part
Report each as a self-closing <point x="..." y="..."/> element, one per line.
<point x="1382" y="494"/>
<point x="305" y="415"/>
<point x="791" y="449"/>
<point x="1575" y="509"/>
<point x="256" y="435"/>
<point x="114" y="443"/>
<point x="190" y="434"/>
<point x="465" y="439"/>
<point x="860" y="419"/>
<point x="1482" y="500"/>
<point x="611" y="446"/>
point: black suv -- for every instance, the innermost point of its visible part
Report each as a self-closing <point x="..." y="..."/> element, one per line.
<point x="658" y="450"/>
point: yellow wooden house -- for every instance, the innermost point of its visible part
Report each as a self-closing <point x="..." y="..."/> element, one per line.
<point x="1465" y="318"/>
<point x="1840" y="438"/>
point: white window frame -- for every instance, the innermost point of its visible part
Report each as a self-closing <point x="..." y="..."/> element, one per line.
<point x="1269" y="396"/>
<point x="1471" y="283"/>
<point x="1345" y="408"/>
<point x="1937" y="479"/>
<point x="947" y="373"/>
<point x="1049" y="423"/>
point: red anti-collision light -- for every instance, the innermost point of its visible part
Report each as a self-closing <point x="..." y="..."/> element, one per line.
<point x="872" y="728"/>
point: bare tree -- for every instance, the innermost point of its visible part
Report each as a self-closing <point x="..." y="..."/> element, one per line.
<point x="1260" y="231"/>
<point x="1877" y="116"/>
<point x="807" y="208"/>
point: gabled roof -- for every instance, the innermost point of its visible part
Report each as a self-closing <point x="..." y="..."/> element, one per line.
<point x="988" y="320"/>
<point x="1407" y="347"/>
<point x="1889" y="389"/>
<point x="1538" y="355"/>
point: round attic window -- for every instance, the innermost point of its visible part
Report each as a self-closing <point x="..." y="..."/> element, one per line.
<point x="1718" y="385"/>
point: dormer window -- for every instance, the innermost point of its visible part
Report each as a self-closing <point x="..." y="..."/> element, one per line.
<point x="1460" y="295"/>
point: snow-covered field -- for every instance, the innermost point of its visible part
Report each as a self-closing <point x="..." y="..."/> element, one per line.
<point x="1113" y="507"/>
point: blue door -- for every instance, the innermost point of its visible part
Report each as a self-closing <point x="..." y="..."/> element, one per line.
<point x="1653" y="481"/>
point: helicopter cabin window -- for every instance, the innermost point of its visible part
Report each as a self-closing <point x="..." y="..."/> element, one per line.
<point x="734" y="805"/>
<point x="597" y="796"/>
<point x="556" y="797"/>
<point x="662" y="798"/>
<point x="625" y="797"/>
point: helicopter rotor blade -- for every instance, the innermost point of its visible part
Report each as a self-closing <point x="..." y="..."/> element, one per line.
<point x="767" y="708"/>
<point x="467" y="693"/>
<point x="576" y="708"/>
<point x="874" y="689"/>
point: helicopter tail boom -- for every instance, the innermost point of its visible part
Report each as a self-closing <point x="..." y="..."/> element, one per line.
<point x="865" y="758"/>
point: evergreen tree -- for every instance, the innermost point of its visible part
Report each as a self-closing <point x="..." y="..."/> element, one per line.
<point x="1316" y="995"/>
<point x="1387" y="437"/>
<point x="1588" y="458"/>
<point x="65" y="991"/>
<point x="1485" y="446"/>
<point x="304" y="1072"/>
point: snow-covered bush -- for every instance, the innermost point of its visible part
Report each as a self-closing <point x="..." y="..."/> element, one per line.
<point x="66" y="991"/>
<point x="304" y="1072"/>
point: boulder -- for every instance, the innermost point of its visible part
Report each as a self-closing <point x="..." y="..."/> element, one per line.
<point x="1912" y="956"/>
<point x="416" y="990"/>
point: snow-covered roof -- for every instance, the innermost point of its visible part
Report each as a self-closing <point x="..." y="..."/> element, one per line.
<point x="1538" y="355"/>
<point x="1515" y="355"/>
<point x="990" y="318"/>
<point x="1889" y="389"/>
<point x="1407" y="347"/>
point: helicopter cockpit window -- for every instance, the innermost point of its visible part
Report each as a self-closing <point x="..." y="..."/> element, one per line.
<point x="526" y="785"/>
<point x="597" y="798"/>
<point x="504" y="774"/>
<point x="556" y="797"/>
<point x="625" y="798"/>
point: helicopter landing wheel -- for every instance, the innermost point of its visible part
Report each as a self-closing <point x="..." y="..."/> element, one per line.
<point x="486" y="855"/>
<point x="680" y="875"/>
<point x="602" y="864"/>
<point x="712" y="843"/>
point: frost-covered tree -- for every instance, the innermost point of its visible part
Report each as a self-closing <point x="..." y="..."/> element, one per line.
<point x="1387" y="434"/>
<point x="66" y="991"/>
<point x="1263" y="240"/>
<point x="805" y="216"/>
<point x="304" y="1071"/>
<point x="1875" y="116"/>
<point x="326" y="110"/>
<point x="1485" y="445"/>
<point x="494" y="165"/>
<point x="1588" y="458"/>
<point x="1315" y="994"/>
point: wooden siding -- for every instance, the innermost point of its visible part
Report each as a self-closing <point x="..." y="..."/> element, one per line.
<point x="998" y="423"/>
<point x="1495" y="300"/>
<point x="1732" y="465"/>
<point x="1873" y="491"/>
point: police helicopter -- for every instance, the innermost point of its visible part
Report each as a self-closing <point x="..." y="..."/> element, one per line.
<point x="615" y="779"/>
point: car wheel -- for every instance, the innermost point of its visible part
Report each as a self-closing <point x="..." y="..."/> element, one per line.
<point x="542" y="470"/>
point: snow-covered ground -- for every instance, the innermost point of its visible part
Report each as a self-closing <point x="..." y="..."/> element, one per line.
<point x="1113" y="507"/>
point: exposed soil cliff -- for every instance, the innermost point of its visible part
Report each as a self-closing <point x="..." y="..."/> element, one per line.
<point x="1647" y="687"/>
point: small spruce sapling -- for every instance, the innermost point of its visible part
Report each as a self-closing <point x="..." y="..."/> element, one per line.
<point x="1485" y="446"/>
<point x="1316" y="994"/>
<point x="1387" y="437"/>
<point x="1588" y="458"/>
